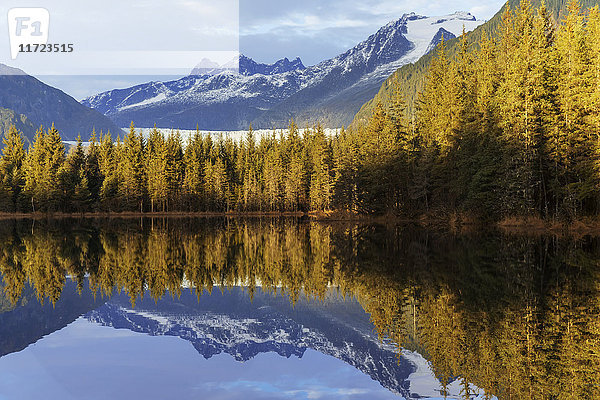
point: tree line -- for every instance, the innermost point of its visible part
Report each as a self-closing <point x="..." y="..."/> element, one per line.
<point x="161" y="173"/>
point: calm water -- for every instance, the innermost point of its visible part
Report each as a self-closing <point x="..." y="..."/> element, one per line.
<point x="289" y="309"/>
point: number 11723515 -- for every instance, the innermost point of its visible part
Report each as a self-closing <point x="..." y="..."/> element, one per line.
<point x="46" y="48"/>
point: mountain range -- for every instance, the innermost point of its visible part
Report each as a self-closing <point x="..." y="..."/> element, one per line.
<point x="411" y="77"/>
<point x="233" y="323"/>
<point x="334" y="92"/>
<point x="268" y="96"/>
<point x="28" y="103"/>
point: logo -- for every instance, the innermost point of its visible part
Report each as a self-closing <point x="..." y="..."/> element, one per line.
<point x="27" y="26"/>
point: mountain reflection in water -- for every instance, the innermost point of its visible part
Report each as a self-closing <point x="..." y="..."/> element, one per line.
<point x="512" y="316"/>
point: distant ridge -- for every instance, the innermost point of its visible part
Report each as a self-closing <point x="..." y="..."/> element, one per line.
<point x="269" y="95"/>
<point x="42" y="104"/>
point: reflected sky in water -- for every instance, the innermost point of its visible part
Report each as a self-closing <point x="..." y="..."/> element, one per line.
<point x="86" y="360"/>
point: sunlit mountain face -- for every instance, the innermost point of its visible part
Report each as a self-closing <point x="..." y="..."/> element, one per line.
<point x="286" y="308"/>
<point x="267" y="96"/>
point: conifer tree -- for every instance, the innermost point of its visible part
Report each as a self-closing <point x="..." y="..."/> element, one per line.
<point x="248" y="172"/>
<point x="273" y="174"/>
<point x="437" y="110"/>
<point x="525" y="94"/>
<point x="92" y="169"/>
<point x="55" y="157"/>
<point x="174" y="169"/>
<point x="74" y="181"/>
<point x="346" y="155"/>
<point x="320" y="179"/>
<point x="108" y="162"/>
<point x="42" y="165"/>
<point x="194" y="159"/>
<point x="296" y="170"/>
<point x="11" y="167"/>
<point x="156" y="170"/>
<point x="34" y="169"/>
<point x="217" y="186"/>
<point x="573" y="150"/>
<point x="133" y="186"/>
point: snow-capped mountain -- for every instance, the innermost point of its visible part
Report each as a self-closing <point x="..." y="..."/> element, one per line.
<point x="248" y="66"/>
<point x="269" y="95"/>
<point x="233" y="324"/>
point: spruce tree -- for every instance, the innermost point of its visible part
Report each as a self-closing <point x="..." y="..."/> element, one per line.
<point x="573" y="141"/>
<point x="193" y="184"/>
<point x="93" y="173"/>
<point x="174" y="169"/>
<point x="133" y="186"/>
<point x="55" y="158"/>
<point x="156" y="170"/>
<point x="320" y="178"/>
<point x="273" y="174"/>
<point x="74" y="181"/>
<point x="11" y="167"/>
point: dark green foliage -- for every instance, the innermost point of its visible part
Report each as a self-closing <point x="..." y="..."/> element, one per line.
<point x="11" y="169"/>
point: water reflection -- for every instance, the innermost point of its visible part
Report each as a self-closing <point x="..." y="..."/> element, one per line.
<point x="516" y="316"/>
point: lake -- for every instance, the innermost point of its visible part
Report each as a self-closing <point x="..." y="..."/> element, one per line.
<point x="288" y="308"/>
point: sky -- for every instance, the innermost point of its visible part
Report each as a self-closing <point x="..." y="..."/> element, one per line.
<point x="86" y="360"/>
<point x="315" y="30"/>
<point x="119" y="43"/>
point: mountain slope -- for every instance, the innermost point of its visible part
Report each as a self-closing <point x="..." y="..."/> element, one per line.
<point x="44" y="105"/>
<point x="29" y="321"/>
<point x="268" y="96"/>
<point x="357" y="74"/>
<point x="21" y="122"/>
<point x="410" y="77"/>
<point x="233" y="324"/>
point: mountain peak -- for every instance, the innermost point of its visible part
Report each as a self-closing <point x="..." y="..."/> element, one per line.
<point x="6" y="70"/>
<point x="441" y="33"/>
<point x="412" y="16"/>
<point x="247" y="66"/>
<point x="250" y="67"/>
<point x="457" y="15"/>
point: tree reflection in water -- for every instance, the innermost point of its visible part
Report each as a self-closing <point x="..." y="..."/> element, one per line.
<point x="518" y="316"/>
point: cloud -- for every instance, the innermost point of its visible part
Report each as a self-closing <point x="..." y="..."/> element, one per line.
<point x="315" y="31"/>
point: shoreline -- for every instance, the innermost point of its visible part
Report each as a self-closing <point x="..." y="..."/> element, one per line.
<point x="456" y="223"/>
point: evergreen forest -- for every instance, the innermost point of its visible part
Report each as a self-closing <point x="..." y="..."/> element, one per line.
<point x="507" y="126"/>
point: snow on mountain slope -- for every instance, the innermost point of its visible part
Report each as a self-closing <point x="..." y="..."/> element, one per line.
<point x="269" y="95"/>
<point x="421" y="31"/>
<point x="233" y="324"/>
<point x="424" y="384"/>
<point x="229" y="322"/>
<point x="424" y="34"/>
